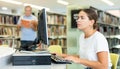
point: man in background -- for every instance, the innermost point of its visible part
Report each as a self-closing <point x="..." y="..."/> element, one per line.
<point x="27" y="24"/>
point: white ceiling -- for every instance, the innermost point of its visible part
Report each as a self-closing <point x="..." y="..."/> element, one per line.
<point x="54" y="6"/>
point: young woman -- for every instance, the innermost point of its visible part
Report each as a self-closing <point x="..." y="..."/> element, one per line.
<point x="94" y="52"/>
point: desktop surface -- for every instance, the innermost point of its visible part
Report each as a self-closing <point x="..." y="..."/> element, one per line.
<point x="52" y="66"/>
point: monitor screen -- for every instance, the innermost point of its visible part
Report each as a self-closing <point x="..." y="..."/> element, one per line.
<point x="42" y="33"/>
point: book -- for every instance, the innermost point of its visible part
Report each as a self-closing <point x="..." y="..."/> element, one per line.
<point x="7" y="19"/>
<point x="3" y="20"/>
<point x="0" y="19"/>
<point x="11" y="20"/>
<point x="11" y="31"/>
<point x="6" y="42"/>
<point x="61" y="42"/>
<point x="25" y="23"/>
<point x="15" y="19"/>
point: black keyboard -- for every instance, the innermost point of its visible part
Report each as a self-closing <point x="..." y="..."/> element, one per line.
<point x="59" y="60"/>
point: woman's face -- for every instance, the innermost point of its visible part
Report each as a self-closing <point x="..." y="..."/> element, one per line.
<point x="83" y="21"/>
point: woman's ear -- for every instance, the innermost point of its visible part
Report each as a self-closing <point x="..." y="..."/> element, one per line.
<point x="92" y="22"/>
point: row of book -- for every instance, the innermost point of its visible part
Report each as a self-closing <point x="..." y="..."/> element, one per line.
<point x="113" y="42"/>
<point x="9" y="42"/>
<point x="108" y="30"/>
<point x="56" y="19"/>
<point x="52" y="19"/>
<point x="11" y="31"/>
<point x="56" y="31"/>
<point x="61" y="42"/>
<point x="8" y="19"/>
<point x="107" y="18"/>
<point x="6" y="42"/>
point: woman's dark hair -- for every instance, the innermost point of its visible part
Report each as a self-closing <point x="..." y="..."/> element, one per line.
<point x="92" y="15"/>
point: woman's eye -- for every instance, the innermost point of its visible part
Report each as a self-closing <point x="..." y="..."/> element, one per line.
<point x="77" y="18"/>
<point x="82" y="17"/>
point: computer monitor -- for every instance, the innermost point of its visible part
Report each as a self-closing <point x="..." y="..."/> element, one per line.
<point x="42" y="33"/>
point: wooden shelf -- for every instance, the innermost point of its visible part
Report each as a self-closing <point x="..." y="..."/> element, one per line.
<point x="57" y="37"/>
<point x="113" y="36"/>
<point x="99" y="22"/>
<point x="8" y="25"/>
<point x="57" y="24"/>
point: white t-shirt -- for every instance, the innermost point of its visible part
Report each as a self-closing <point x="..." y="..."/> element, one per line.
<point x="89" y="47"/>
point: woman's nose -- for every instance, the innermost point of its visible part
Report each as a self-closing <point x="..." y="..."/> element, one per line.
<point x="78" y="20"/>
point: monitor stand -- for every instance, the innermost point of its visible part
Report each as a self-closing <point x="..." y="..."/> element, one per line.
<point x="43" y="48"/>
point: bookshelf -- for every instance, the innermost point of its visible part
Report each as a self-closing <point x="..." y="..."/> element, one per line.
<point x="57" y="30"/>
<point x="8" y="29"/>
<point x="109" y="25"/>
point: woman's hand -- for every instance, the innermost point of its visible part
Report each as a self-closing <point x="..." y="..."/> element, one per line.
<point x="73" y="59"/>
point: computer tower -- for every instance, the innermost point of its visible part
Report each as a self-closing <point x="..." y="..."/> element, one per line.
<point x="31" y="59"/>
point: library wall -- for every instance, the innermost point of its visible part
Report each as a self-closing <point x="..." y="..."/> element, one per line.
<point x="5" y="11"/>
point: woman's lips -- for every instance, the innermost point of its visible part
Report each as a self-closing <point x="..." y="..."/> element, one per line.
<point x="78" y="24"/>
